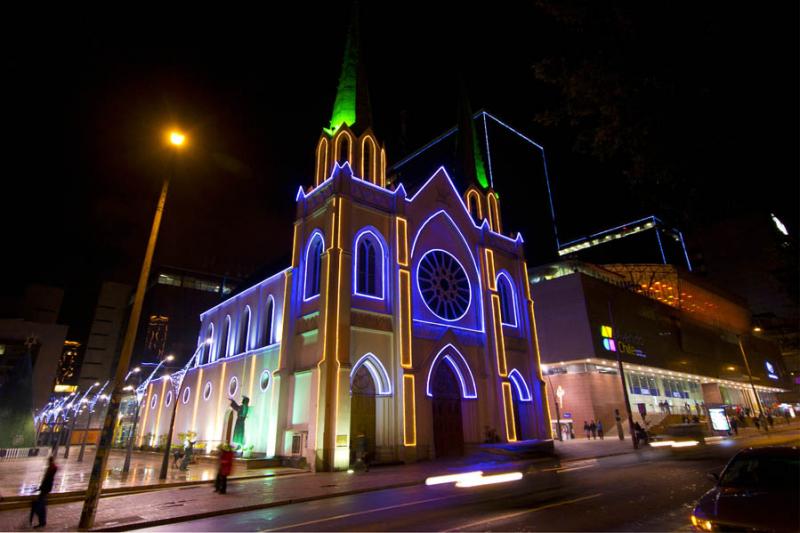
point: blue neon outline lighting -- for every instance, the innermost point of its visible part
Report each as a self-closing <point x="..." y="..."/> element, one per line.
<point x="186" y="395"/>
<point x="314" y="235"/>
<point x="380" y="377"/>
<point x="513" y="291"/>
<point x="207" y="357"/>
<point x="517" y="239"/>
<point x="419" y="290"/>
<point x="660" y="246"/>
<point x="261" y="379"/>
<point x="523" y="391"/>
<point x="376" y="237"/>
<point x="242" y="294"/>
<point x="466" y="393"/>
<point x="685" y="253"/>
<point x="247" y="331"/>
<point x="546" y="172"/>
<point x="233" y="378"/>
<point x="271" y="310"/>
<point x="440" y="325"/>
<point x="488" y="151"/>
<point x="601" y="233"/>
<point x="224" y="351"/>
<point x="469" y="250"/>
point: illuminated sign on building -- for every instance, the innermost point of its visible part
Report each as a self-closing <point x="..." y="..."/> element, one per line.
<point x="771" y="374"/>
<point x="614" y="345"/>
<point x="718" y="419"/>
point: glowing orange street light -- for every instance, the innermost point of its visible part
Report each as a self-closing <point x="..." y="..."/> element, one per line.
<point x="176" y="138"/>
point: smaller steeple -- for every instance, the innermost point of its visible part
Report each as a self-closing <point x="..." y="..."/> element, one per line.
<point x="470" y="169"/>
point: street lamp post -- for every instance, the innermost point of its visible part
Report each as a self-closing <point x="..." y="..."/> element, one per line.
<point x="175" y="382"/>
<point x="176" y="140"/>
<point x="750" y="376"/>
<point x="558" y="411"/>
<point x="89" y="421"/>
<point x="127" y="466"/>
<point x="624" y="387"/>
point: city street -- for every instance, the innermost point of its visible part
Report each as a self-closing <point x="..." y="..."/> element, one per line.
<point x="646" y="491"/>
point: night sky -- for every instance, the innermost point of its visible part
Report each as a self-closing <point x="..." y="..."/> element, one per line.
<point x="690" y="109"/>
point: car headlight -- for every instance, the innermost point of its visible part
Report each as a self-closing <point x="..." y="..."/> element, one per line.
<point x="702" y="524"/>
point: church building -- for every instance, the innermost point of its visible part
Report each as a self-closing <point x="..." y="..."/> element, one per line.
<point x="404" y="320"/>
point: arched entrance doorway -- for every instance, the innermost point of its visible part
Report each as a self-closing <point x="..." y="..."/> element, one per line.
<point x="362" y="413"/>
<point x="448" y="433"/>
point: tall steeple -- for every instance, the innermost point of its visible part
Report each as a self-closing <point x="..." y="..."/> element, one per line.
<point x="351" y="106"/>
<point x="349" y="139"/>
<point x="470" y="169"/>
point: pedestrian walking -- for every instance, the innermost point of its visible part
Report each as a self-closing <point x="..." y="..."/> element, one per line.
<point x="756" y="422"/>
<point x="786" y="415"/>
<point x="735" y="425"/>
<point x="225" y="467"/>
<point x="600" y="429"/>
<point x="587" y="429"/>
<point x="39" y="505"/>
<point x="770" y="420"/>
<point x="593" y="429"/>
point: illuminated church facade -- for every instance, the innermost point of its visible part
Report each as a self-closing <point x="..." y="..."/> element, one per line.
<point x="405" y="316"/>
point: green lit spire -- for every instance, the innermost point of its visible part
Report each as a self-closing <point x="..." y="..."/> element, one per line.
<point x="470" y="157"/>
<point x="352" y="98"/>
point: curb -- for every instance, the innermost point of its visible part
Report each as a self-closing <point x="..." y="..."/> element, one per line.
<point x="247" y="508"/>
<point x="20" y="502"/>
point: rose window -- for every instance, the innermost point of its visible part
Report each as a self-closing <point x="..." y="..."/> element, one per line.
<point x="444" y="285"/>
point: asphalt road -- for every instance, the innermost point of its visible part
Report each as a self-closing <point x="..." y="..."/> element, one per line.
<point x="652" y="490"/>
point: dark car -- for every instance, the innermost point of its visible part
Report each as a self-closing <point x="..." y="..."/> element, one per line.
<point x="759" y="490"/>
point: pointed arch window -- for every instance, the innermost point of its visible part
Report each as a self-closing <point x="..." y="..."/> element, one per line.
<point x="205" y="356"/>
<point x="244" y="330"/>
<point x="223" y="339"/>
<point x="313" y="266"/>
<point x="508" y="308"/>
<point x="369" y="265"/>
<point x="269" y="317"/>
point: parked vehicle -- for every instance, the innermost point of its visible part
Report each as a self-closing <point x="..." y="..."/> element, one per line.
<point x="758" y="490"/>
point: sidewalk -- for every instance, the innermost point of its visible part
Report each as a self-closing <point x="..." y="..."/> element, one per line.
<point x="21" y="477"/>
<point x="170" y="505"/>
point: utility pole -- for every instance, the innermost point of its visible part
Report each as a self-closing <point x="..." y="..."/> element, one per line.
<point x="624" y="387"/>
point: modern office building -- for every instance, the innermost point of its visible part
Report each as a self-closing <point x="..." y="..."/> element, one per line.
<point x="105" y="336"/>
<point x="682" y="342"/>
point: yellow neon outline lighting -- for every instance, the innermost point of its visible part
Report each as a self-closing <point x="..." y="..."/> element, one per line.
<point x="527" y="281"/>
<point x="383" y="168"/>
<point x="222" y="390"/>
<point x="508" y="404"/>
<point x="535" y="334"/>
<point x="252" y="375"/>
<point x="499" y="341"/>
<point x="405" y="319"/>
<point x="491" y="280"/>
<point x="146" y="412"/>
<point x="196" y="398"/>
<point x="294" y="247"/>
<point x="160" y="408"/>
<point x="402" y="242"/>
<point x="373" y="168"/>
<point x="284" y="314"/>
<point x="470" y="194"/>
<point x="349" y="145"/>
<point x="494" y="221"/>
<point x="319" y="175"/>
<point x="409" y="398"/>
